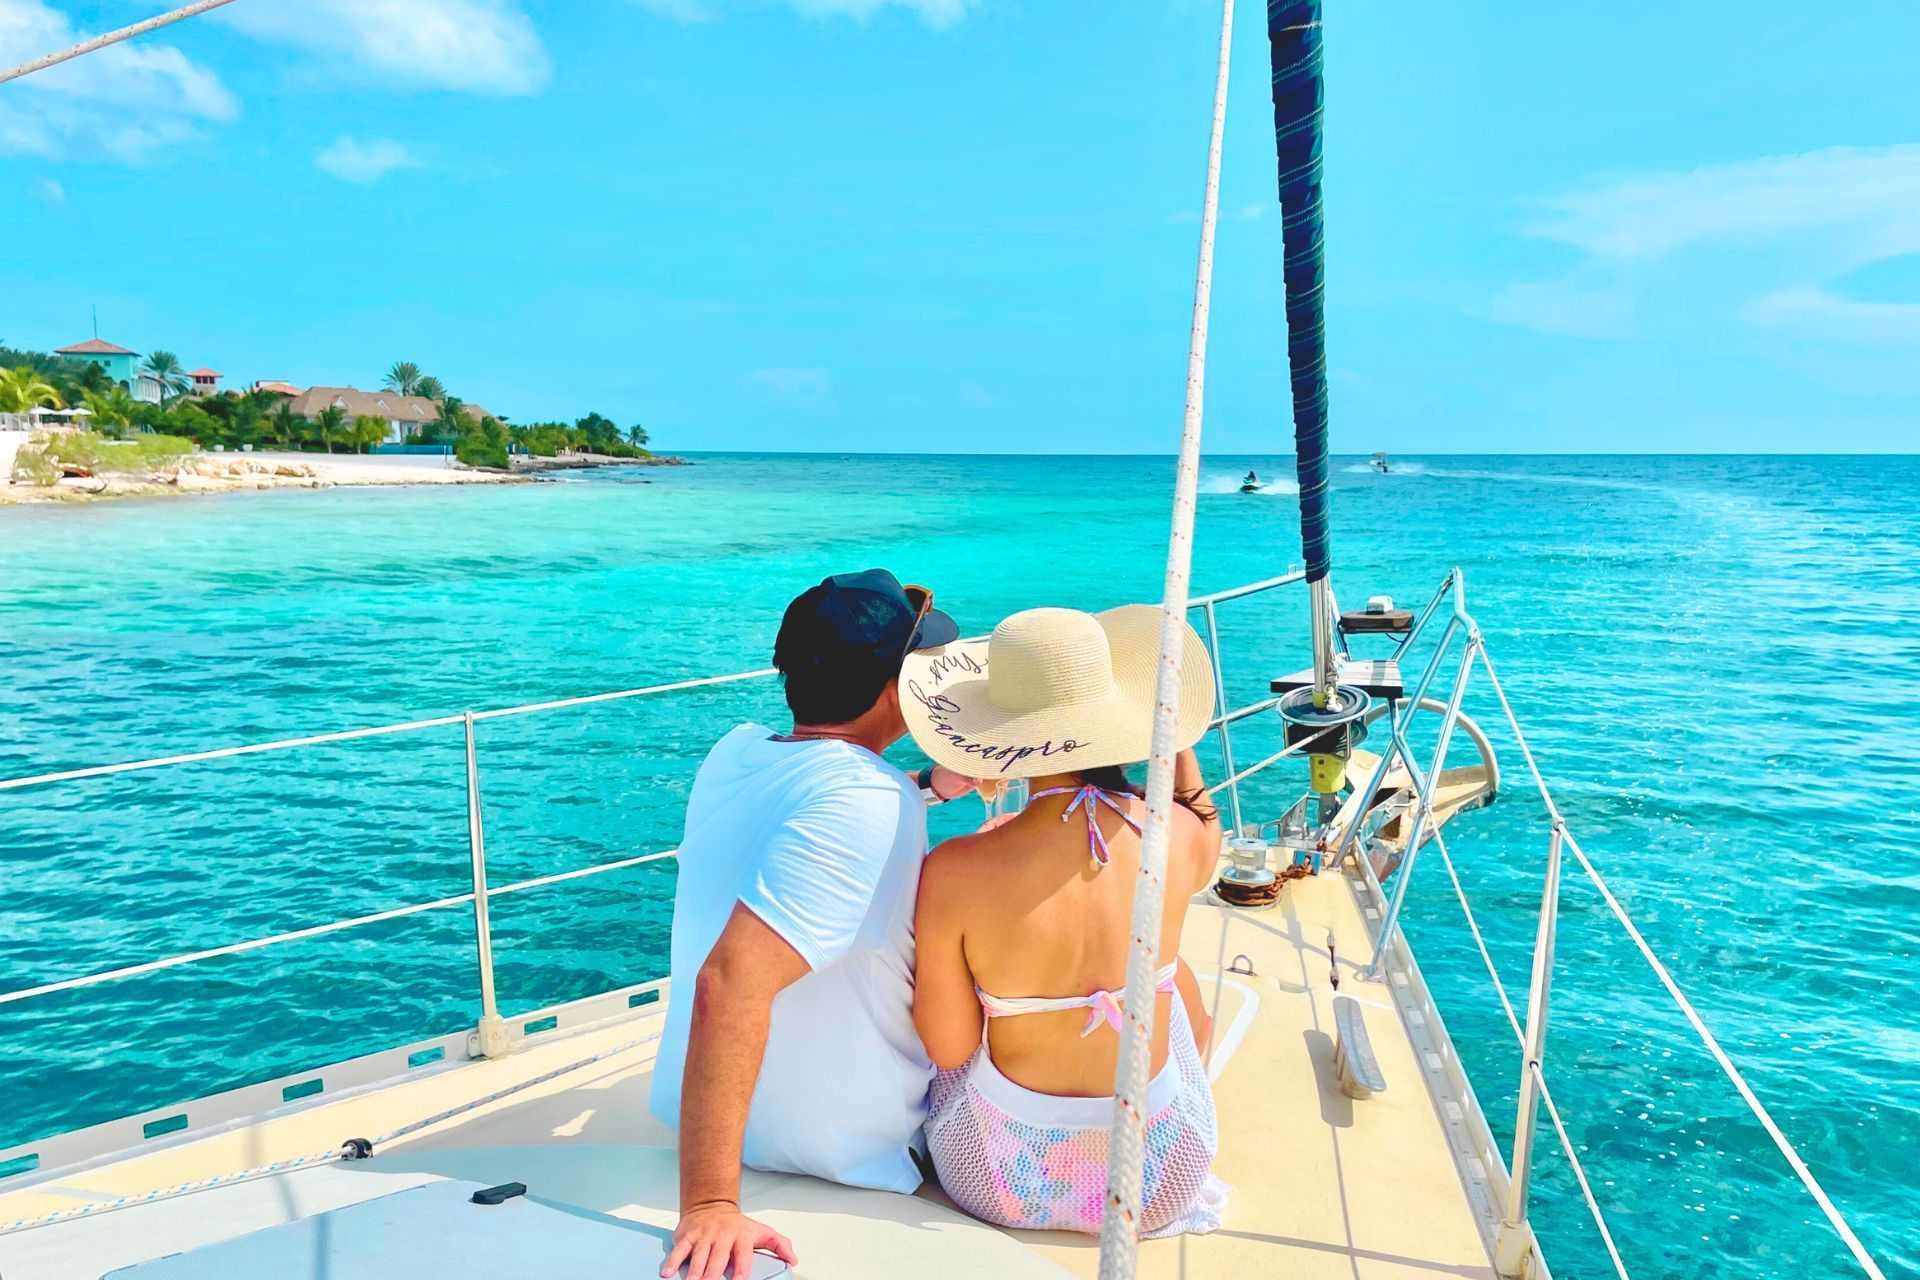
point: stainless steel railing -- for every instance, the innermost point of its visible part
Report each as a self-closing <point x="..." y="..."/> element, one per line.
<point x="491" y="1035"/>
<point x="1516" y="1251"/>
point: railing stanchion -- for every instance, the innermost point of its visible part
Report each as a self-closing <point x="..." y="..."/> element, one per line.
<point x="1226" y="731"/>
<point x="1514" y="1247"/>
<point x="490" y="1039"/>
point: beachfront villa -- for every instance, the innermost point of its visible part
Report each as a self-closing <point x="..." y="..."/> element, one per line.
<point x="122" y="365"/>
<point x="277" y="387"/>
<point x="405" y="415"/>
<point x="206" y="382"/>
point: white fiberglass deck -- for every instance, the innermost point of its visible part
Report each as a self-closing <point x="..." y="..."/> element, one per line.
<point x="1323" y="1185"/>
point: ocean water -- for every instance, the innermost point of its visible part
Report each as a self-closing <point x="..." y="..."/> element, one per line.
<point x="1717" y="660"/>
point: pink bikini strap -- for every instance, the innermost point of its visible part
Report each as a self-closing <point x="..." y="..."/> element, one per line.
<point x="1102" y="1006"/>
<point x="1091" y="797"/>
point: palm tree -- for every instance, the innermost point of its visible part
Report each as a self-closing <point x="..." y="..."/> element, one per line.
<point x="164" y="368"/>
<point x="22" y="390"/>
<point x="637" y="436"/>
<point x="452" y="422"/>
<point x="368" y="430"/>
<point x="404" y="377"/>
<point x="332" y="420"/>
<point x="281" y="422"/>
<point x="430" y="387"/>
<point x="111" y="409"/>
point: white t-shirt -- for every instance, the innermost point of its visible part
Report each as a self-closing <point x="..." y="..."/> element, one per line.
<point x="823" y="841"/>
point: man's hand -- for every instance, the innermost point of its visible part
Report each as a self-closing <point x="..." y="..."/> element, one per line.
<point x="950" y="784"/>
<point x="711" y="1235"/>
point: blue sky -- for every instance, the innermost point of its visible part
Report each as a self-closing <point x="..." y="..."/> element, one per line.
<point x="968" y="225"/>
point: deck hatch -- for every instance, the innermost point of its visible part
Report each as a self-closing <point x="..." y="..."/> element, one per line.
<point x="431" y="1232"/>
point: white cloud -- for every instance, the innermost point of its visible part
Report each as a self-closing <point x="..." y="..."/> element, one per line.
<point x="355" y="161"/>
<point x="47" y="192"/>
<point x="1759" y="242"/>
<point x="937" y="13"/>
<point x="1869" y="194"/>
<point x="794" y="384"/>
<point x="479" y="46"/>
<point x="127" y="101"/>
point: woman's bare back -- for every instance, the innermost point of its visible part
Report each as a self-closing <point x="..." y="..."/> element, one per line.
<point x="1038" y="919"/>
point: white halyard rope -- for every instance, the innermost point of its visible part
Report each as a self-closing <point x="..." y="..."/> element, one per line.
<point x="88" y="45"/>
<point x="1120" y="1219"/>
<point x="1692" y="1015"/>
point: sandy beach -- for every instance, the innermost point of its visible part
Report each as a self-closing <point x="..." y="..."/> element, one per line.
<point x="267" y="469"/>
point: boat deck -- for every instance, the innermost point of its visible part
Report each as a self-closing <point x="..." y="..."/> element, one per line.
<point x="1322" y="1185"/>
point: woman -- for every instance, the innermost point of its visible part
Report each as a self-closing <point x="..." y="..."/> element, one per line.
<point x="1022" y="930"/>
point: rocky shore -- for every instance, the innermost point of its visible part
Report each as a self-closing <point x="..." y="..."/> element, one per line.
<point x="252" y="472"/>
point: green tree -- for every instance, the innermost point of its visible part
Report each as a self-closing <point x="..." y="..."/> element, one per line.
<point x="112" y="410"/>
<point x="484" y="445"/>
<point x="430" y="387"/>
<point x="598" y="433"/>
<point x="404" y="377"/>
<point x="452" y="421"/>
<point x="164" y="368"/>
<point x="366" y="432"/>
<point x="191" y="422"/>
<point x="329" y="425"/>
<point x="22" y="390"/>
<point x="637" y="436"/>
<point x="74" y="379"/>
<point x="280" y="422"/>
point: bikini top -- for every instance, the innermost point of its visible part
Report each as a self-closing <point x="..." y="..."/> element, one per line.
<point x="1102" y="1006"/>
<point x="1090" y="798"/>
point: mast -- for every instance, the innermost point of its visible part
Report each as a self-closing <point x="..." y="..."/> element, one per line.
<point x="1293" y="31"/>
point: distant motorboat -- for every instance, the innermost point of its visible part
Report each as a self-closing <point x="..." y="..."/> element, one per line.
<point x="1380" y="464"/>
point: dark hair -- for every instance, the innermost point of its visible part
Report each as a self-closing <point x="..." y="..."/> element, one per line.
<point x="836" y="691"/>
<point x="1113" y="777"/>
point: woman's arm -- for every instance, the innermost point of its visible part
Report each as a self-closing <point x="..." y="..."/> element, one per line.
<point x="1188" y="781"/>
<point x="946" y="1012"/>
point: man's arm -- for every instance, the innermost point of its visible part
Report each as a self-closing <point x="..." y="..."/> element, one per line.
<point x="732" y="1009"/>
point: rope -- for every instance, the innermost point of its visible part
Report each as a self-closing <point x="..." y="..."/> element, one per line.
<point x="353" y="1149"/>
<point x="294" y="935"/>
<point x="1120" y="1219"/>
<point x="88" y="45"/>
<point x="1520" y="1038"/>
<point x="1747" y="1095"/>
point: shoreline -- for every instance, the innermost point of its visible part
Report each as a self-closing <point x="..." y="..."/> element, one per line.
<point x="259" y="471"/>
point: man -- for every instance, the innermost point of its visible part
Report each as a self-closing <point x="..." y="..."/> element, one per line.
<point x="794" y="1049"/>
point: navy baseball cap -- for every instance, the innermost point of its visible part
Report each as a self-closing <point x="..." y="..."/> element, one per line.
<point x="855" y="620"/>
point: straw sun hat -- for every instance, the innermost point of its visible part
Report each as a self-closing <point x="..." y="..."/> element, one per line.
<point x="1051" y="691"/>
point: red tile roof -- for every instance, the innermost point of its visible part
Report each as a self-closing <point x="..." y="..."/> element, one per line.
<point x="95" y="347"/>
<point x="284" y="388"/>
<point x="202" y="373"/>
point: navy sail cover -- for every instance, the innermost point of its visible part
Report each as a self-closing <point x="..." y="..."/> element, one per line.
<point x="1293" y="31"/>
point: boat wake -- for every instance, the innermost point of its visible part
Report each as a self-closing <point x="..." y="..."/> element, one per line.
<point x="1399" y="469"/>
<point x="1229" y="482"/>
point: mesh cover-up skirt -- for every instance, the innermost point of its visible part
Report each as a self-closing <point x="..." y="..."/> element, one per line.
<point x="1017" y="1158"/>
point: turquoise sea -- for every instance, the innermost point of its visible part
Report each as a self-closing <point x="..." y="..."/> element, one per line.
<point x="1718" y="660"/>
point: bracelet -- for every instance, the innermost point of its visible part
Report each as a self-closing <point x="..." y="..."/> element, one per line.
<point x="924" y="780"/>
